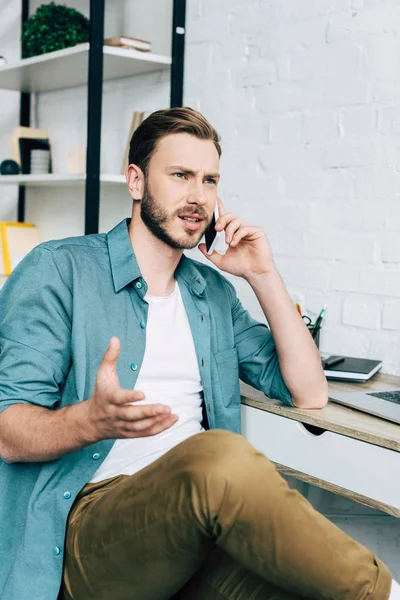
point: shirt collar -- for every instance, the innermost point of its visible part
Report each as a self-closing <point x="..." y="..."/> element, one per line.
<point x="125" y="269"/>
<point x="187" y="270"/>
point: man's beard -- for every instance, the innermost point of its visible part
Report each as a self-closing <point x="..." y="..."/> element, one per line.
<point x="156" y="220"/>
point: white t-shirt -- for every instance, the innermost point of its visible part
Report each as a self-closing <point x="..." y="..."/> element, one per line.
<point x="170" y="375"/>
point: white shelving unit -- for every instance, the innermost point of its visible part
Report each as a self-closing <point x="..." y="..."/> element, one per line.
<point x="68" y="68"/>
<point x="57" y="179"/>
<point x="88" y="66"/>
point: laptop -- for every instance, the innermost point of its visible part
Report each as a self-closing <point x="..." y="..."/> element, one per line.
<point x="385" y="405"/>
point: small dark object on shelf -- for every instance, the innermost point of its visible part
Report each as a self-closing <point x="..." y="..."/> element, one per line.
<point x="53" y="27"/>
<point x="9" y="167"/>
<point x="26" y="145"/>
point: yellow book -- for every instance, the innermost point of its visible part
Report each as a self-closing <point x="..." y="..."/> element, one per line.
<point x="16" y="240"/>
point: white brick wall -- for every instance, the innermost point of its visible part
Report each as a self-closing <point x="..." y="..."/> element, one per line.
<point x="311" y="150"/>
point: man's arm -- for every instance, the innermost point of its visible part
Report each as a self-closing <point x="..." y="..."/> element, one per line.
<point x="298" y="355"/>
<point x="249" y="256"/>
<point x="36" y="434"/>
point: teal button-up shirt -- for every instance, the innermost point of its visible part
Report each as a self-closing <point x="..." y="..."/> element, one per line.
<point x="58" y="311"/>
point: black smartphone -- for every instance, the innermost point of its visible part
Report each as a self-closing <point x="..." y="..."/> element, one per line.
<point x="211" y="236"/>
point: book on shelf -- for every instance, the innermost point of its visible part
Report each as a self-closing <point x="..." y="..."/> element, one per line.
<point x="124" y="41"/>
<point x="351" y="369"/>
<point x="16" y="240"/>
<point x="137" y="119"/>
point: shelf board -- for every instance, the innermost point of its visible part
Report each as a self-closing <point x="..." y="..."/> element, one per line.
<point x="69" y="68"/>
<point x="57" y="179"/>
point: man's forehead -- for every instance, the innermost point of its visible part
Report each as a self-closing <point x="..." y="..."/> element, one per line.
<point x="189" y="151"/>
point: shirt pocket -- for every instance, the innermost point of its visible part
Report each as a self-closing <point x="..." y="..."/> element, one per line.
<point x="228" y="374"/>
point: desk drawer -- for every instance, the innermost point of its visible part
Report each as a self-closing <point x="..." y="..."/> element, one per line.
<point x="363" y="468"/>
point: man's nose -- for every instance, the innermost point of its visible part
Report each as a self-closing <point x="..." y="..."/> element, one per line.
<point x="196" y="193"/>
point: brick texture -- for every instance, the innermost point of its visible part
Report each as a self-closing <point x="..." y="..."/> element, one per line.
<point x="311" y="97"/>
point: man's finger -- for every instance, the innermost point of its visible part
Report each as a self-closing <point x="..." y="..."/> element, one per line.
<point x="122" y="396"/>
<point x="221" y="207"/>
<point x="233" y="227"/>
<point x="224" y="220"/>
<point x="215" y="257"/>
<point x="107" y="372"/>
<point x="144" y="424"/>
<point x="132" y="414"/>
<point x="111" y="354"/>
<point x="246" y="231"/>
<point x="156" y="428"/>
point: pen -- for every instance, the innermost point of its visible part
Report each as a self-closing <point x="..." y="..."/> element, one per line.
<point x="320" y="317"/>
<point x="317" y="323"/>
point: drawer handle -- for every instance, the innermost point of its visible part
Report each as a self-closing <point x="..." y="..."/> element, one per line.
<point x="313" y="429"/>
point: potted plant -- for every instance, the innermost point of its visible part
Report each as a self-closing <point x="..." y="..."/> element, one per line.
<point x="53" y="27"/>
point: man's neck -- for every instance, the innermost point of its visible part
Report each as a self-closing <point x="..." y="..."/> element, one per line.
<point x="156" y="260"/>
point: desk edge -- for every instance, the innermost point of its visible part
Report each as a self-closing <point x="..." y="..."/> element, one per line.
<point x="336" y="489"/>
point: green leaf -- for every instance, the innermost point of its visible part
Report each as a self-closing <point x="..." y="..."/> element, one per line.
<point x="53" y="27"/>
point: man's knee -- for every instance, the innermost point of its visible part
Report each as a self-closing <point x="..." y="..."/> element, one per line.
<point x="224" y="455"/>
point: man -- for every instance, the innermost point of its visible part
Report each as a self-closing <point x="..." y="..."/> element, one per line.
<point x="111" y="488"/>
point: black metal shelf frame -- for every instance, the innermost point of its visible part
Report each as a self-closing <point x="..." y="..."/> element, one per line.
<point x="95" y="96"/>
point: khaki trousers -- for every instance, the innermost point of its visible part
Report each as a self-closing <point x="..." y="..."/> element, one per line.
<point x="210" y="520"/>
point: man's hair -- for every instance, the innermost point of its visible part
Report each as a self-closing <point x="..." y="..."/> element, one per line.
<point x="165" y="122"/>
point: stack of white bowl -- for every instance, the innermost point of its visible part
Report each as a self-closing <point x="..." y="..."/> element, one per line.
<point x="40" y="162"/>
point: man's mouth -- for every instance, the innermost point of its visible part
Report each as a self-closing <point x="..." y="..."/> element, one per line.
<point x="192" y="222"/>
<point x="192" y="218"/>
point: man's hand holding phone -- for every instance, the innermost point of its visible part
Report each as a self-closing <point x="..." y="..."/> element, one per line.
<point x="248" y="254"/>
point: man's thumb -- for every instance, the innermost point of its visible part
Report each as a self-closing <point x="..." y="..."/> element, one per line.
<point x="111" y="355"/>
<point x="215" y="257"/>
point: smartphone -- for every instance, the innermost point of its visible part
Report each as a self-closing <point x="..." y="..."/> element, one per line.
<point x="212" y="237"/>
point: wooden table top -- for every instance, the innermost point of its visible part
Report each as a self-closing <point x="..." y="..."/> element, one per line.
<point x="336" y="418"/>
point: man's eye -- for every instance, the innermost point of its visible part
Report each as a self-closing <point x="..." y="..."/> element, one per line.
<point x="211" y="180"/>
<point x="180" y="175"/>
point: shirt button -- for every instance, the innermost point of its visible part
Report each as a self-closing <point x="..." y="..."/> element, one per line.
<point x="134" y="367"/>
<point x="96" y="456"/>
<point x="142" y="324"/>
<point x="138" y="285"/>
<point x="67" y="495"/>
<point x="56" y="550"/>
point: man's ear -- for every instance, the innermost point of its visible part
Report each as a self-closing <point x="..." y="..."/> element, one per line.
<point x="135" y="180"/>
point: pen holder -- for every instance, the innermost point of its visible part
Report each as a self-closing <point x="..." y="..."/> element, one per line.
<point x="314" y="331"/>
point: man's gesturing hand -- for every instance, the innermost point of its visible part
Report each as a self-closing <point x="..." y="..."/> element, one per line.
<point x="109" y="412"/>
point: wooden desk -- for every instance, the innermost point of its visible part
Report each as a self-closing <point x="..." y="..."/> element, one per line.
<point x="335" y="448"/>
